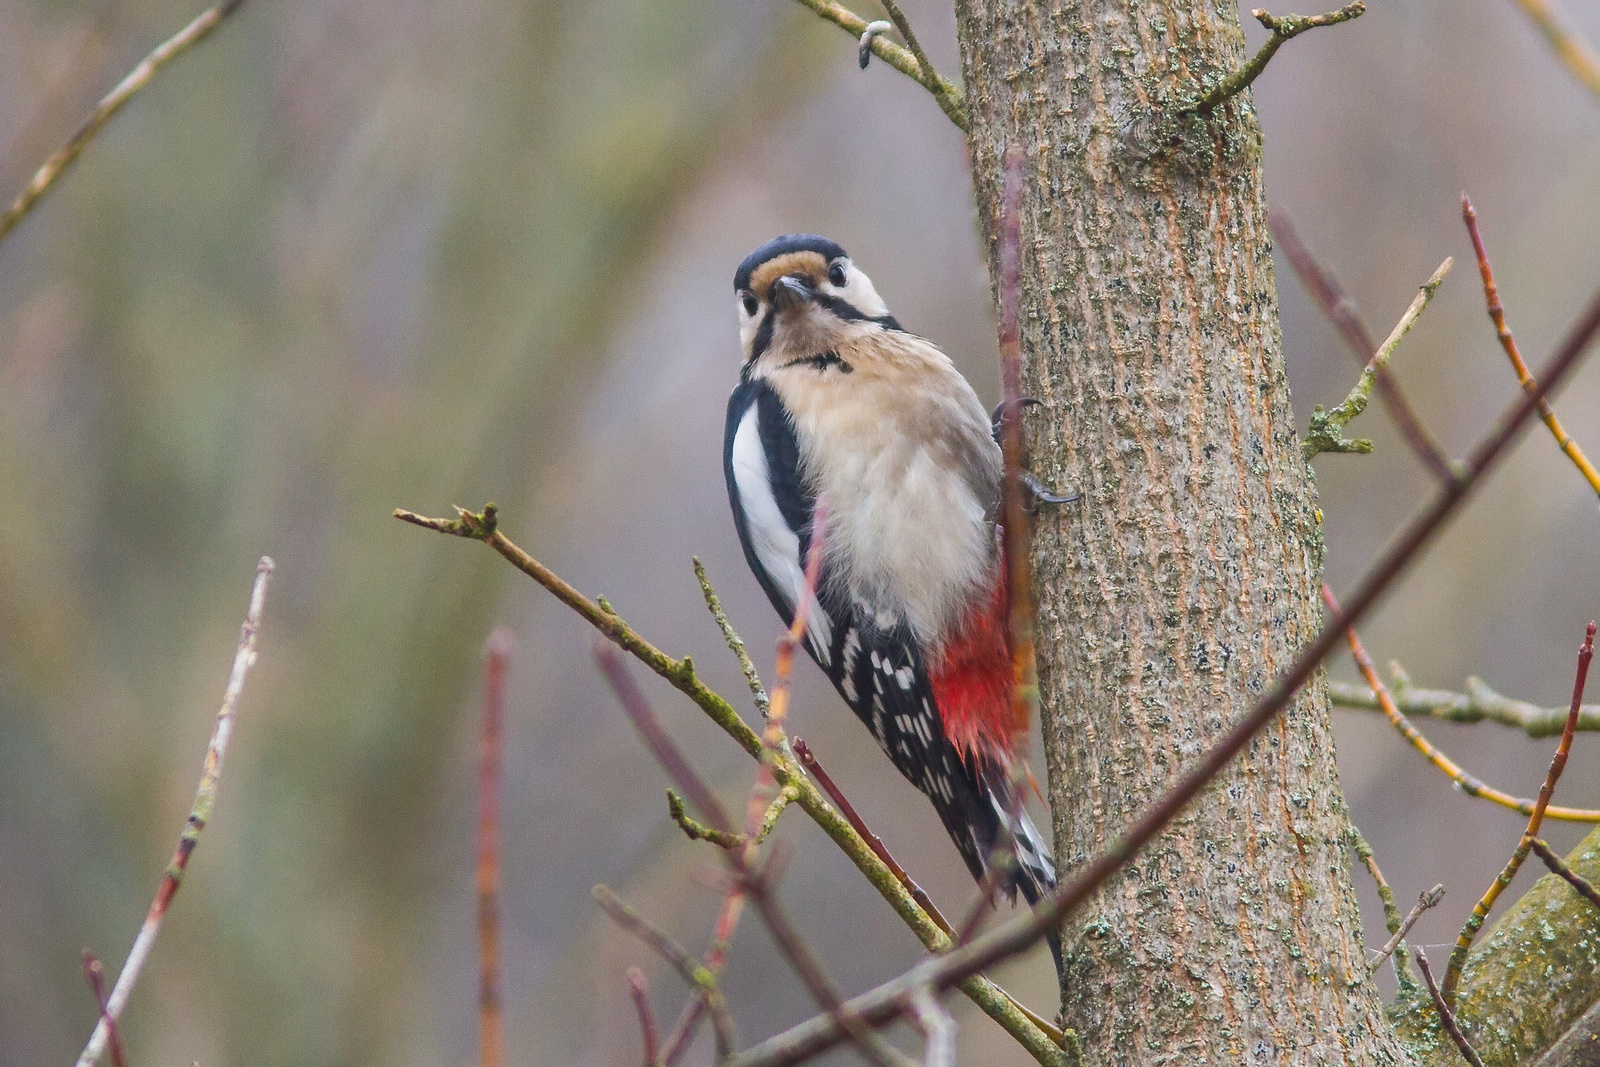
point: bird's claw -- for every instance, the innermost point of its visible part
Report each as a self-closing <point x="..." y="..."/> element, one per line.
<point x="1003" y="410"/>
<point x="1039" y="493"/>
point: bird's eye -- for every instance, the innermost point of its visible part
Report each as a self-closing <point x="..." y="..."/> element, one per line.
<point x="836" y="275"/>
<point x="749" y="299"/>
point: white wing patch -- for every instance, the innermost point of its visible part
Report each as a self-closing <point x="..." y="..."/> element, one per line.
<point x="775" y="544"/>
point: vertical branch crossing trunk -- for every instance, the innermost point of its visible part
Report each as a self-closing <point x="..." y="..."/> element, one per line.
<point x="1185" y="579"/>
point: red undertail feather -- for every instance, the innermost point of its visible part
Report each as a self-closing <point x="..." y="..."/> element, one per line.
<point x="972" y="686"/>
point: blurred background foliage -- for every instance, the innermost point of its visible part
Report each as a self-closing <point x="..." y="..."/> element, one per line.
<point x="351" y="255"/>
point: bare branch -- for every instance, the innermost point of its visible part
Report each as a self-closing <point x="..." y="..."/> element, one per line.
<point x="1477" y="704"/>
<point x="1558" y="763"/>
<point x="1392" y="920"/>
<point x="1497" y="315"/>
<point x="1341" y="310"/>
<point x="948" y="95"/>
<point x="656" y="740"/>
<point x="497" y="656"/>
<point x="1016" y="530"/>
<point x="1282" y="29"/>
<point x="95" y="975"/>
<point x="1426" y="900"/>
<point x="1574" y="51"/>
<point x="483" y="526"/>
<point x="1445" y="1015"/>
<point x="735" y="643"/>
<point x="1326" y="433"/>
<point x="689" y="968"/>
<point x="1464" y="781"/>
<point x="639" y="989"/>
<point x="938" y="1028"/>
<point x="1573" y="878"/>
<point x="46" y="177"/>
<point x="809" y="761"/>
<point x="244" y="657"/>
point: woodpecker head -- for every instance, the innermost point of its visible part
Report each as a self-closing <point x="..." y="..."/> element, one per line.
<point x="799" y="295"/>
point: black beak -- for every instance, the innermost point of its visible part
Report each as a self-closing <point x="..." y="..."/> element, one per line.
<point x="790" y="291"/>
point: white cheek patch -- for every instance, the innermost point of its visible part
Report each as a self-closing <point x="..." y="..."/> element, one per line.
<point x="775" y="544"/>
<point x="859" y="292"/>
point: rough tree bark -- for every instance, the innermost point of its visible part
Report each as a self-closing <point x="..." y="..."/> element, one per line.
<point x="1186" y="577"/>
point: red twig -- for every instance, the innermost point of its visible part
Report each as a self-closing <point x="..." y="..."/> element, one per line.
<point x="772" y="738"/>
<point x="982" y="905"/>
<point x="888" y="1001"/>
<point x="686" y="965"/>
<point x="497" y="655"/>
<point x="1558" y="763"/>
<point x="677" y="1042"/>
<point x="95" y="975"/>
<point x="808" y="760"/>
<point x="1446" y="1016"/>
<point x="244" y="657"/>
<point x="754" y="882"/>
<point x="1573" y="878"/>
<point x="1018" y="551"/>
<point x="640" y="989"/>
<point x="656" y="740"/>
<point x="1341" y="310"/>
<point x="1497" y="315"/>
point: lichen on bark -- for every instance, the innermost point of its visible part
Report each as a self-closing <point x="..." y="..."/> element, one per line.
<point x="1185" y="579"/>
<point x="1527" y="981"/>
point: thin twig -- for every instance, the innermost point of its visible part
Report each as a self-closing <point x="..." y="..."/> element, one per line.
<point x="677" y="1042"/>
<point x="1497" y="315"/>
<point x="994" y="1001"/>
<point x="1282" y="29"/>
<point x="244" y="657"/>
<point x="1391" y="911"/>
<point x="497" y="656"/>
<point x="1558" y="763"/>
<point x="1573" y="878"/>
<point x="903" y="24"/>
<point x="1341" y="310"/>
<point x="773" y="739"/>
<point x="45" y="178"/>
<point x="1477" y="704"/>
<point x="656" y="740"/>
<point x="1016" y="530"/>
<point x="639" y="989"/>
<point x="95" y="975"/>
<point x="1574" y="51"/>
<point x="1467" y="783"/>
<point x="938" y="1029"/>
<point x="808" y="760"/>
<point x="812" y="975"/>
<point x="689" y="968"/>
<point x="983" y="903"/>
<point x="742" y="857"/>
<point x="1426" y="900"/>
<point x="1326" y="432"/>
<point x="887" y="1001"/>
<point x="948" y="95"/>
<point x="1446" y="1016"/>
<point x="735" y="643"/>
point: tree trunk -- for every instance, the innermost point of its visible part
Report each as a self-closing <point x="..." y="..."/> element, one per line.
<point x="1185" y="578"/>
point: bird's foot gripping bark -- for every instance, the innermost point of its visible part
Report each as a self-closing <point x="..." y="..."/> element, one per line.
<point x="1038" y="492"/>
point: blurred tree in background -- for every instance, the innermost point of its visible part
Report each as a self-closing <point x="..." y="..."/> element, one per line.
<point x="351" y="255"/>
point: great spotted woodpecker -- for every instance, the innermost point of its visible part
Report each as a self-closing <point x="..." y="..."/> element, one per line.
<point x="836" y="401"/>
